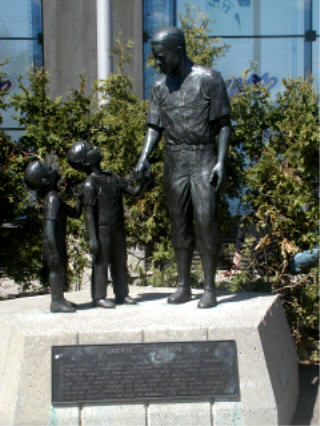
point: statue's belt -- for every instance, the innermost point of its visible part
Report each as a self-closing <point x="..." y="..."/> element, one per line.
<point x="185" y="147"/>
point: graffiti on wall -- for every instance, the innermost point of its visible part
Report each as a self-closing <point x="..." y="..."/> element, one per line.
<point x="264" y="81"/>
<point x="5" y="86"/>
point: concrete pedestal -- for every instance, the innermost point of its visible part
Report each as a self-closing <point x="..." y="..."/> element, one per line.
<point x="266" y="355"/>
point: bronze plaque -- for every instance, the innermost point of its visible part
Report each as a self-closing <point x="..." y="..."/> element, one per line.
<point x="144" y="371"/>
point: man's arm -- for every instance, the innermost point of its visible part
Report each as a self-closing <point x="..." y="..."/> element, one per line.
<point x="153" y="135"/>
<point x="223" y="126"/>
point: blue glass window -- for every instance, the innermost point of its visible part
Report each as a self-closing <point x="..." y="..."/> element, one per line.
<point x="281" y="36"/>
<point x="156" y="14"/>
<point x="21" y="44"/>
<point x="251" y="17"/>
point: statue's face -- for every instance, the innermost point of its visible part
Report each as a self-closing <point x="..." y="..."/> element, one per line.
<point x="50" y="175"/>
<point x="167" y="59"/>
<point x="94" y="155"/>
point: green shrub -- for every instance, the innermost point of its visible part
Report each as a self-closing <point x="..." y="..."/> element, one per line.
<point x="281" y="183"/>
<point x="51" y="125"/>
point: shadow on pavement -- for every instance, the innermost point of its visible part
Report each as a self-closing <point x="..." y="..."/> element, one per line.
<point x="307" y="412"/>
<point x="241" y="296"/>
<point x="84" y="306"/>
<point x="143" y="297"/>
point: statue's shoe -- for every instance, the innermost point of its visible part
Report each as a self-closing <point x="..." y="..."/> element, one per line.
<point x="68" y="303"/>
<point x="182" y="295"/>
<point x="125" y="300"/>
<point x="208" y="300"/>
<point x="61" y="306"/>
<point x="103" y="303"/>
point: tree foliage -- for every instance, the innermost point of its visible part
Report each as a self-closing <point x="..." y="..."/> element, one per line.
<point x="51" y="125"/>
<point x="280" y="139"/>
<point x="201" y="49"/>
<point x="19" y="245"/>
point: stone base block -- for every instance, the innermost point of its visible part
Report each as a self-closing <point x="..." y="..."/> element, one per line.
<point x="266" y="357"/>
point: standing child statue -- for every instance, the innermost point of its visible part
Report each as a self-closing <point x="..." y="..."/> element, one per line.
<point x="103" y="212"/>
<point x="43" y="178"/>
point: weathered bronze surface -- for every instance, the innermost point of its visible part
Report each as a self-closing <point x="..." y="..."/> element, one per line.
<point x="144" y="371"/>
<point x="43" y="178"/>
<point x="189" y="105"/>
<point x="104" y="219"/>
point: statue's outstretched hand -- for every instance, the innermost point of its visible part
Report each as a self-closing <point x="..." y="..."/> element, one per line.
<point x="216" y="176"/>
<point x="142" y="170"/>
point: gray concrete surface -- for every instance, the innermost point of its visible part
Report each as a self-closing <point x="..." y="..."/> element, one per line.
<point x="267" y="377"/>
<point x="70" y="42"/>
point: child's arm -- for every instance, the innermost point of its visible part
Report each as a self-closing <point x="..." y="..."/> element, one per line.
<point x="76" y="211"/>
<point x="51" y="207"/>
<point x="89" y="218"/>
<point x="91" y="230"/>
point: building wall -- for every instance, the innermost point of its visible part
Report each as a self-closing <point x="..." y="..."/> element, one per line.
<point x="127" y="17"/>
<point x="70" y="40"/>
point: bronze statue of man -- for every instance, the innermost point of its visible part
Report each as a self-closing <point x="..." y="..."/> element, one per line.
<point x="190" y="104"/>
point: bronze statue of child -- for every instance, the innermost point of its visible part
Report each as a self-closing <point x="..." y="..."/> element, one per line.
<point x="104" y="219"/>
<point x="43" y="178"/>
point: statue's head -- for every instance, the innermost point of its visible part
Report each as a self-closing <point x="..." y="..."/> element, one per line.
<point x="82" y="155"/>
<point x="41" y="176"/>
<point x="169" y="49"/>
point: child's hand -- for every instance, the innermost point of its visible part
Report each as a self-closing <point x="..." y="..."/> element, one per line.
<point x="141" y="177"/>
<point x="94" y="247"/>
<point x="147" y="175"/>
<point x="78" y="192"/>
<point x="79" y="205"/>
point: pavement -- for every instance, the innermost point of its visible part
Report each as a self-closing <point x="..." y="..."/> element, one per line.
<point x="308" y="407"/>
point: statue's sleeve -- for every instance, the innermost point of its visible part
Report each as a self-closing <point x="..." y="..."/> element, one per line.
<point x="154" y="116"/>
<point x="89" y="195"/>
<point x="219" y="101"/>
<point x="51" y="207"/>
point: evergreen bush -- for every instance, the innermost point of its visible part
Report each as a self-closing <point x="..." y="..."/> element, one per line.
<point x="280" y="138"/>
<point x="51" y="125"/>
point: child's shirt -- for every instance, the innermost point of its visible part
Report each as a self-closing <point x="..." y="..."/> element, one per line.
<point x="103" y="192"/>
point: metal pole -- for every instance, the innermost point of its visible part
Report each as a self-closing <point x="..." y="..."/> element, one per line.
<point x="256" y="25"/>
<point x="104" y="40"/>
<point x="307" y="44"/>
